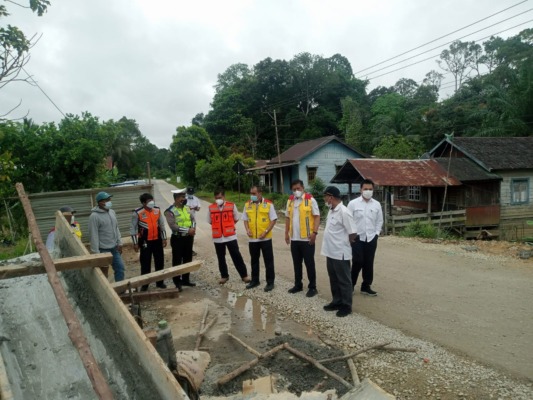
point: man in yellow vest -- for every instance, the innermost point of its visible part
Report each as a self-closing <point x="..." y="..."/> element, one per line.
<point x="182" y="223"/>
<point x="222" y="216"/>
<point x="259" y="218"/>
<point x="301" y="228"/>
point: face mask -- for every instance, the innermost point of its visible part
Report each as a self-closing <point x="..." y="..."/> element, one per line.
<point x="72" y="219"/>
<point x="253" y="198"/>
<point x="150" y="204"/>
<point x="184" y="202"/>
<point x="108" y="205"/>
<point x="297" y="193"/>
<point x="367" y="194"/>
<point x="330" y="206"/>
<point x="219" y="201"/>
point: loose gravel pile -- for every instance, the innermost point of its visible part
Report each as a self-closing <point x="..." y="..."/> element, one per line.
<point x="432" y="372"/>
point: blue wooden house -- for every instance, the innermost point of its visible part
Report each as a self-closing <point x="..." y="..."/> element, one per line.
<point x="318" y="158"/>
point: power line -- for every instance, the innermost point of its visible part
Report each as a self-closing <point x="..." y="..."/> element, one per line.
<point x="444" y="44"/>
<point x="437" y="55"/>
<point x="48" y="97"/>
<point x="434" y="40"/>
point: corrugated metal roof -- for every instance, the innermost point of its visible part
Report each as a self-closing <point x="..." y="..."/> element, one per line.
<point x="466" y="170"/>
<point x="492" y="153"/>
<point x="125" y="200"/>
<point x="300" y="150"/>
<point x="427" y="173"/>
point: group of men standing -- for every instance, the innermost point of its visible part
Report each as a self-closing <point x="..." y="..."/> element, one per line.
<point x="349" y="244"/>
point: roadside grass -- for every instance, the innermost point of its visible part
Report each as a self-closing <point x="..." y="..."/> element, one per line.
<point x="8" y="251"/>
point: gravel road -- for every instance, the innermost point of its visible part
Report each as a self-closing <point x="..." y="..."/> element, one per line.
<point x="467" y="313"/>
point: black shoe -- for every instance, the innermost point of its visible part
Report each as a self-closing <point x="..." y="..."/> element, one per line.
<point x="343" y="312"/>
<point x="369" y="292"/>
<point x="191" y="284"/>
<point x="161" y="285"/>
<point x="269" y="287"/>
<point x="311" y="292"/>
<point x="252" y="284"/>
<point x="332" y="307"/>
<point x="295" y="289"/>
<point x="144" y="288"/>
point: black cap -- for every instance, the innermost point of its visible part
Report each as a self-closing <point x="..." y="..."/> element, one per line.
<point x="190" y="190"/>
<point x="333" y="191"/>
<point x="67" y="209"/>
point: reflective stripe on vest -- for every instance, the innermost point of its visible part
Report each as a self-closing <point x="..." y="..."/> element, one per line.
<point x="258" y="217"/>
<point x="307" y="219"/>
<point x="182" y="216"/>
<point x="222" y="222"/>
<point x="148" y="226"/>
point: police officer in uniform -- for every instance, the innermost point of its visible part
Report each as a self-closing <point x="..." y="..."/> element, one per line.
<point x="182" y="222"/>
<point x="148" y="235"/>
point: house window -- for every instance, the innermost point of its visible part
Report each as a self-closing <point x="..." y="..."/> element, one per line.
<point x="414" y="193"/>
<point x="519" y="191"/>
<point x="311" y="174"/>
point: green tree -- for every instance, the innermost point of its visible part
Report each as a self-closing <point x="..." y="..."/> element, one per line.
<point x="398" y="147"/>
<point x="189" y="145"/>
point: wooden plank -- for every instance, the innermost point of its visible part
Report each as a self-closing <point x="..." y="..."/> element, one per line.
<point x="63" y="264"/>
<point x="156" y="276"/>
<point x="150" y="295"/>
<point x="75" y="331"/>
<point x="128" y="330"/>
<point x="5" y="387"/>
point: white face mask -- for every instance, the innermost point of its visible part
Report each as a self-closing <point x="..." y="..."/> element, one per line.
<point x="298" y="194"/>
<point x="367" y="194"/>
<point x="150" y="204"/>
<point x="219" y="202"/>
<point x="108" y="205"/>
<point x="330" y="206"/>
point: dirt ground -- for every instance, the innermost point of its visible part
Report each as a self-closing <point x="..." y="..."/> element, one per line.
<point x="471" y="297"/>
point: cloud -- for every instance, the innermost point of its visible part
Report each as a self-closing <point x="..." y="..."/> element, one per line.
<point x="157" y="61"/>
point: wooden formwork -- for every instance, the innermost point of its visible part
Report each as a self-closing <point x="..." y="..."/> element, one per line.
<point x="75" y="257"/>
<point x="115" y="310"/>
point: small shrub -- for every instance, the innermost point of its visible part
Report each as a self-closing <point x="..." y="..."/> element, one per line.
<point x="423" y="230"/>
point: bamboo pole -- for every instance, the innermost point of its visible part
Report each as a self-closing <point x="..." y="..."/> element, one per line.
<point x="353" y="370"/>
<point x="249" y="348"/>
<point x="75" y="331"/>
<point x="245" y="367"/>
<point x="345" y="357"/>
<point x="317" y="364"/>
<point x="203" y="332"/>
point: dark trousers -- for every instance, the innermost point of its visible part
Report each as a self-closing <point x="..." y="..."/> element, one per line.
<point x="265" y="247"/>
<point x="340" y="283"/>
<point x="236" y="257"/>
<point x="181" y="254"/>
<point x="149" y="249"/>
<point x="302" y="251"/>
<point x="363" y="259"/>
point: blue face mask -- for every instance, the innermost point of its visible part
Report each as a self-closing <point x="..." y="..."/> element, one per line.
<point x="108" y="205"/>
<point x="253" y="198"/>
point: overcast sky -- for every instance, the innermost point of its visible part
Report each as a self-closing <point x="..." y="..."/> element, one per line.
<point x="156" y="61"/>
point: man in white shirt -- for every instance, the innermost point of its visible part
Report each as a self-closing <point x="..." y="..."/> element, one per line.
<point x="339" y="233"/>
<point x="368" y="218"/>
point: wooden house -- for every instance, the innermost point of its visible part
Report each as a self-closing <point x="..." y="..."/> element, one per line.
<point x="308" y="160"/>
<point x="505" y="204"/>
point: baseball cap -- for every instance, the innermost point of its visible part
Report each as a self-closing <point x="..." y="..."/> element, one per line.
<point x="333" y="191"/>
<point x="67" y="210"/>
<point x="102" y="196"/>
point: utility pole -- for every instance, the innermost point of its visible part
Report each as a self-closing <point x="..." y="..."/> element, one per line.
<point x="279" y="153"/>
